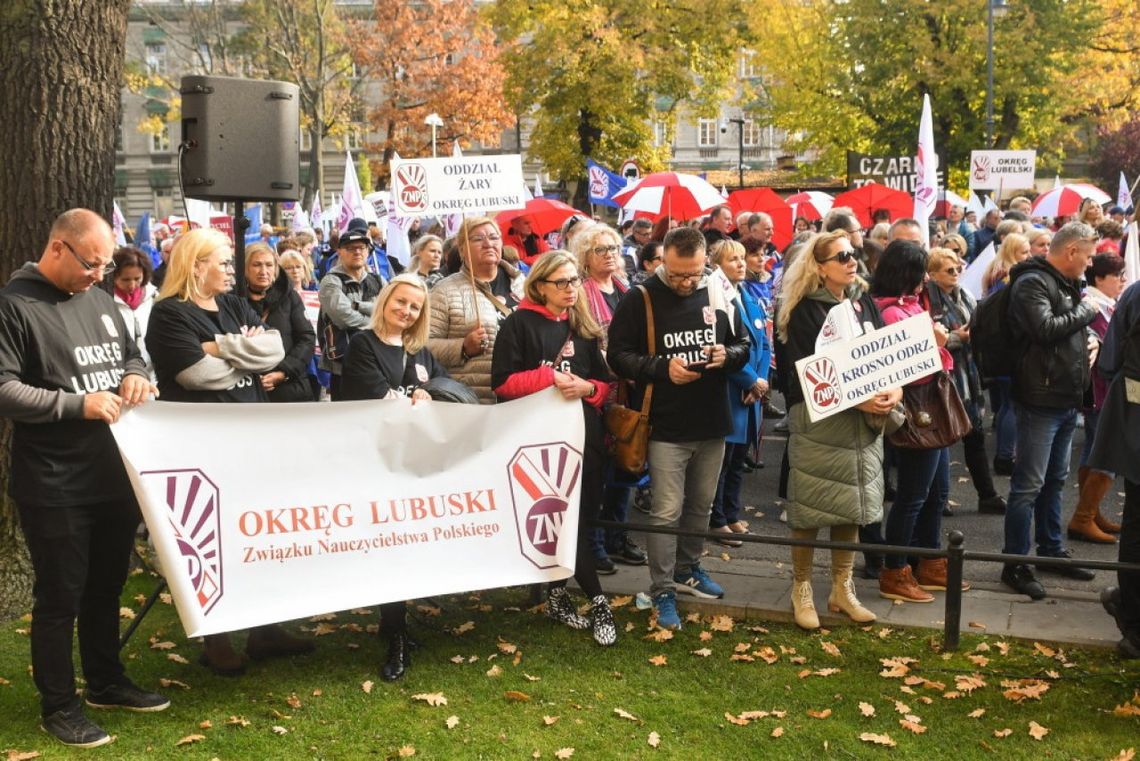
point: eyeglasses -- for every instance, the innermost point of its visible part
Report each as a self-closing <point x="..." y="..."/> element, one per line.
<point x="681" y="277"/>
<point x="565" y="283"/>
<point x="479" y="240"/>
<point x="106" y="267"/>
<point x="842" y="257"/>
<point x="605" y="250"/>
<point x="954" y="270"/>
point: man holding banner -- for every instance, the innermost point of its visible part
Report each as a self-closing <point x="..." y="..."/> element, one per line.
<point x="695" y="343"/>
<point x="68" y="367"/>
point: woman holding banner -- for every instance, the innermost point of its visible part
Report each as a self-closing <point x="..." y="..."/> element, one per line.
<point x="391" y="361"/>
<point x="210" y="346"/>
<point x="915" y="518"/>
<point x="552" y="341"/>
<point x="468" y="307"/>
<point x="836" y="463"/>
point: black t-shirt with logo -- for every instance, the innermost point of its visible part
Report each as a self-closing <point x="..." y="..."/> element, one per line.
<point x="77" y="343"/>
<point x="372" y="368"/>
<point x="501" y="287"/>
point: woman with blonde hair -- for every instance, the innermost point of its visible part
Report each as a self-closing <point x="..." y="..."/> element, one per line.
<point x="835" y="464"/>
<point x="427" y="257"/>
<point x="209" y="345"/>
<point x="1014" y="248"/>
<point x="391" y="361"/>
<point x="468" y="307"/>
<point x="598" y="250"/>
<point x="552" y="341"/>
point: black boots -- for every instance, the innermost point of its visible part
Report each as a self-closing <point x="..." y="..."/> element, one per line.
<point x="399" y="657"/>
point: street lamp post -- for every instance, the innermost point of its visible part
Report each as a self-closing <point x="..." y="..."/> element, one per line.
<point x="739" y="122"/>
<point x="993" y="7"/>
<point x="435" y="123"/>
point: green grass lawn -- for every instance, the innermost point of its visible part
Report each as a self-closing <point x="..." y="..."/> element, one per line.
<point x="518" y="686"/>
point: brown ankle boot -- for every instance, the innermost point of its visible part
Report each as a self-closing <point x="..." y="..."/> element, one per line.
<point x="272" y="641"/>
<point x="219" y="656"/>
<point x="931" y="575"/>
<point x="899" y="584"/>
<point x="1084" y="525"/>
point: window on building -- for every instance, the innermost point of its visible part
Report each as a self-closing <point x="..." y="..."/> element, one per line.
<point x="163" y="202"/>
<point x="306" y="140"/>
<point x="748" y="68"/>
<point x="706" y="133"/>
<point x="660" y="133"/>
<point x="205" y="58"/>
<point x="160" y="141"/>
<point x="753" y="133"/>
<point x="354" y="139"/>
<point x="156" y="57"/>
<point x="119" y="134"/>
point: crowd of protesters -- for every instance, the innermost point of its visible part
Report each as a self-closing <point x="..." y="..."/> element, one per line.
<point x="700" y="320"/>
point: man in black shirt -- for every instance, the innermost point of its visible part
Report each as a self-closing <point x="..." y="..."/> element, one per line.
<point x="68" y="368"/>
<point x="695" y="344"/>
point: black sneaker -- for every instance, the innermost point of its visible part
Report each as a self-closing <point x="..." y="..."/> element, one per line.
<point x="72" y="727"/>
<point x="994" y="504"/>
<point x="1003" y="466"/>
<point x="629" y="553"/>
<point x="604" y="566"/>
<point x="128" y="696"/>
<point x="1023" y="581"/>
<point x="1072" y="571"/>
<point x="1110" y="599"/>
<point x="1129" y="647"/>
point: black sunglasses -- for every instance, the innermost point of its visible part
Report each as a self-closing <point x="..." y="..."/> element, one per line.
<point x="842" y="257"/>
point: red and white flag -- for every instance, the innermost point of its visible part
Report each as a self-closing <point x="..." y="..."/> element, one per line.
<point x="1123" y="194"/>
<point x="926" y="172"/>
<point x="351" y="200"/>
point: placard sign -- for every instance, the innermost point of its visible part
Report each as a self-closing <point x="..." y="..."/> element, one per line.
<point x="465" y="185"/>
<point x="851" y="372"/>
<point x="997" y="170"/>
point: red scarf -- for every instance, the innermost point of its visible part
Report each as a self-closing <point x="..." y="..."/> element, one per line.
<point x="132" y="299"/>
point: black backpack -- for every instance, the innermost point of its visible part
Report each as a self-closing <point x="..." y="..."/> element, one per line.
<point x="992" y="341"/>
<point x="334" y="340"/>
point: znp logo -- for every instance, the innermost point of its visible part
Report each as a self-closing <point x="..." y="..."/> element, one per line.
<point x="195" y="519"/>
<point x="823" y="392"/>
<point x="411" y="184"/>
<point x="542" y="477"/>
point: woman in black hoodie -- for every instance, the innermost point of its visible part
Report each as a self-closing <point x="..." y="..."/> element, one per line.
<point x="273" y="298"/>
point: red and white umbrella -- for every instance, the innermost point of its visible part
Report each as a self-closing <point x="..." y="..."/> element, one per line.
<point x="545" y="214"/>
<point x="946" y="199"/>
<point x="680" y="196"/>
<point x="810" y="204"/>
<point x="1066" y="200"/>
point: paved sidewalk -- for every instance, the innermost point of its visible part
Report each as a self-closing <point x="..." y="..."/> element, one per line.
<point x="759" y="590"/>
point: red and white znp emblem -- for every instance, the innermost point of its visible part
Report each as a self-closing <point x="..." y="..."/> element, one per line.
<point x="411" y="187"/>
<point x="543" y="477"/>
<point x="823" y="384"/>
<point x="195" y="520"/>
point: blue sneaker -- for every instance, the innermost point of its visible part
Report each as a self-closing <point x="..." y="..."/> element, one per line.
<point x="698" y="583"/>
<point x="665" y="604"/>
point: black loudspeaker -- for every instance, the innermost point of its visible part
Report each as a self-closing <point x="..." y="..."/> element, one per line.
<point x="240" y="138"/>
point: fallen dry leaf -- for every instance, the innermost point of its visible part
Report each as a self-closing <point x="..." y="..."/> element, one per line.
<point x="564" y="753"/>
<point x="279" y="730"/>
<point x="901" y="707"/>
<point x="293" y="701"/>
<point x="452" y="722"/>
<point x="25" y="755"/>
<point x="494" y="671"/>
<point x="768" y="655"/>
<point x="237" y="721"/>
<point x="1019" y="690"/>
<point x="742" y="647"/>
<point x="659" y="635"/>
<point x="654" y="740"/>
<point x="739" y="721"/>
<point x="1127" y="709"/>
<point x="1036" y="731"/>
<point x="1003" y="647"/>
<point x="705" y="635"/>
<point x="530" y="678"/>
<point x="978" y="660"/>
<point x="550" y="720"/>
<point x="463" y="628"/>
<point x="866" y="709"/>
<point x="826" y="712"/>
<point x="826" y="672"/>
<point x="777" y="732"/>
<point x="624" y="714"/>
<point x="830" y="649"/>
<point x="367" y="686"/>
<point x="190" y="739"/>
<point x="207" y="724"/>
<point x="1125" y="755"/>
<point x="753" y="715"/>
<point x="406" y="751"/>
<point x="721" y="623"/>
<point x="164" y="682"/>
<point x="952" y="695"/>
<point x="1045" y="650"/>
<point x="1003" y="732"/>
<point x="913" y="726"/>
<point x="162" y="645"/>
<point x="457" y="659"/>
<point x="126" y="613"/>
<point x="741" y="657"/>
<point x="323" y="630"/>
<point x="431" y="698"/>
<point x="176" y="658"/>
<point x="515" y="695"/>
<point x="621" y="601"/>
<point x="968" y="683"/>
<point x="659" y="660"/>
<point x="870" y="737"/>
<point x="506" y="648"/>
<point x="704" y="652"/>
<point x="977" y="713"/>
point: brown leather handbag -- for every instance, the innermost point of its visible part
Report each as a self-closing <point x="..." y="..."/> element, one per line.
<point x="935" y="415"/>
<point x="629" y="428"/>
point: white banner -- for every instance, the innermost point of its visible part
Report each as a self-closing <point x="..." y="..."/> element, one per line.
<point x="449" y="185"/>
<point x="849" y="373"/>
<point x="998" y="170"/>
<point x="270" y="512"/>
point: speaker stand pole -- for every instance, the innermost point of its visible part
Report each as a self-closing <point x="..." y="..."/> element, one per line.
<point x="241" y="224"/>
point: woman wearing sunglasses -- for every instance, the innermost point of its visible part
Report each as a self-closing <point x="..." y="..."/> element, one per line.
<point x="952" y="306"/>
<point x="835" y="464"/>
<point x="552" y="341"/>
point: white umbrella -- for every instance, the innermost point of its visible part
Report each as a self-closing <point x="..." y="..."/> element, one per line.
<point x="1066" y="200"/>
<point x="810" y="204"/>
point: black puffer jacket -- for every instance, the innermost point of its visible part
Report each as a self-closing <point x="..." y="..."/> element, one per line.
<point x="282" y="308"/>
<point x="1049" y="321"/>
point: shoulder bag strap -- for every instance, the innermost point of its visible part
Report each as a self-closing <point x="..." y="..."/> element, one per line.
<point x="651" y="334"/>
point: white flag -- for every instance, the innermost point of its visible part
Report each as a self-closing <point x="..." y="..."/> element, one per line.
<point x="538" y="185"/>
<point x="1124" y="195"/>
<point x="926" y="169"/>
<point x="351" y="200"/>
<point x="841" y="324"/>
<point x="1132" y="254"/>
<point x="199" y="212"/>
<point x="119" y="222"/>
<point x="300" y="219"/>
<point x="980" y="206"/>
<point x="1057" y="181"/>
<point x="975" y="273"/>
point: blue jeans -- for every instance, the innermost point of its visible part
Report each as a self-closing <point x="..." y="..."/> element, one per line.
<point x="915" y="518"/>
<point x="1005" y="421"/>
<point x="1044" y="446"/>
<point x="726" y="502"/>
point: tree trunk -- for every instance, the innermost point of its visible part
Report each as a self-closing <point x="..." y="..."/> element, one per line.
<point x="61" y="75"/>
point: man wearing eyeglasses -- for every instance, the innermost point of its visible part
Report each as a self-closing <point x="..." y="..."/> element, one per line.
<point x="68" y="369"/>
<point x="696" y="344"/>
